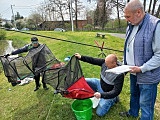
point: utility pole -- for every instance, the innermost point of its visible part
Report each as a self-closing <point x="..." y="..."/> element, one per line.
<point x="13" y="16"/>
<point x="71" y="15"/>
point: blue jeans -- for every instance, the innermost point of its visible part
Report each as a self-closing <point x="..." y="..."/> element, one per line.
<point x="104" y="104"/>
<point x="143" y="97"/>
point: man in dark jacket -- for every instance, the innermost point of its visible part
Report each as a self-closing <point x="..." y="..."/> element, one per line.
<point x="109" y="86"/>
<point x="29" y="47"/>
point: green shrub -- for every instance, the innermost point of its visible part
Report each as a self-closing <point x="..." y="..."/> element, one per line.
<point x="2" y="34"/>
<point x="88" y="27"/>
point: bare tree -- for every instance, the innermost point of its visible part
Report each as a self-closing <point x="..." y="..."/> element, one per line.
<point x="104" y="10"/>
<point x="34" y="20"/>
<point x="96" y="17"/>
<point x="42" y="12"/>
<point x="56" y="10"/>
<point x="78" y="8"/>
<point x="76" y="14"/>
<point x="104" y="17"/>
<point x="119" y="5"/>
<point x="118" y="14"/>
<point x="158" y="11"/>
<point x="150" y="4"/>
<point x="144" y="4"/>
<point x="46" y="11"/>
<point x="57" y="6"/>
<point x="153" y="8"/>
<point x="101" y="10"/>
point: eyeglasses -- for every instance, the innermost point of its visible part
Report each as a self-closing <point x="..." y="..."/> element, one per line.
<point x="34" y="42"/>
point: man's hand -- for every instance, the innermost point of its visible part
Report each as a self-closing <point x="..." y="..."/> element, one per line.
<point x="6" y="55"/>
<point x="135" y="69"/>
<point x="78" y="55"/>
<point x="97" y="95"/>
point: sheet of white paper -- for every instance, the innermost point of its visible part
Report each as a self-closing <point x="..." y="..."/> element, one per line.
<point x="119" y="69"/>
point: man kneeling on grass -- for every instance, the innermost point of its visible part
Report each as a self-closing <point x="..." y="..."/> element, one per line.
<point x="109" y="86"/>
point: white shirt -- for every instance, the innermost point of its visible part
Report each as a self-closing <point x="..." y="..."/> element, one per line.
<point x="129" y="49"/>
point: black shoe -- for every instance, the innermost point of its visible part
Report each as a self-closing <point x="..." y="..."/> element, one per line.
<point x="45" y="87"/>
<point x="117" y="99"/>
<point x="124" y="114"/>
<point x="36" y="88"/>
<point x="39" y="85"/>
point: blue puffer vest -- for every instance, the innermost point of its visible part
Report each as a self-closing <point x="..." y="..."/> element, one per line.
<point x="143" y="49"/>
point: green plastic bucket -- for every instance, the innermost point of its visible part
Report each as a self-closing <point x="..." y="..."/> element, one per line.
<point x="82" y="109"/>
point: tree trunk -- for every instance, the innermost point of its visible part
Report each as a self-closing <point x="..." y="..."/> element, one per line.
<point x="119" y="22"/>
<point x="62" y="17"/>
<point x="103" y="14"/>
<point x="96" y="16"/>
<point x="144" y="4"/>
<point x="149" y="10"/>
<point x="154" y="5"/>
<point x="76" y="14"/>
<point x="69" y="9"/>
<point x="158" y="11"/>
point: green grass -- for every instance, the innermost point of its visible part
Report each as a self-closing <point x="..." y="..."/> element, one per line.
<point x="22" y="103"/>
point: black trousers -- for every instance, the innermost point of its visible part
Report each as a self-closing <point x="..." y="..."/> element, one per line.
<point x="37" y="80"/>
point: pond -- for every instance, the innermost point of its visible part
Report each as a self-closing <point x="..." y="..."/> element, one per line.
<point x="6" y="47"/>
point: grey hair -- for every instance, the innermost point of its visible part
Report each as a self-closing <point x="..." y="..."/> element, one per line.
<point x="133" y="5"/>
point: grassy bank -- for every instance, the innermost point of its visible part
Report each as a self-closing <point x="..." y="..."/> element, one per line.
<point x="22" y="103"/>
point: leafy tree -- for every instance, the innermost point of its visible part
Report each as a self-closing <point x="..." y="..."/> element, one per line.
<point x="20" y="24"/>
<point x="68" y="26"/>
<point x="18" y="16"/>
<point x="88" y="27"/>
<point x="33" y="21"/>
<point x="30" y="24"/>
<point x="8" y="25"/>
<point x="123" y="23"/>
<point x="115" y="23"/>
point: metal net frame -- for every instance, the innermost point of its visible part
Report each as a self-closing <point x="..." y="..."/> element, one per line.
<point x="61" y="78"/>
<point x="36" y="61"/>
<point x="40" y="59"/>
<point x="68" y="80"/>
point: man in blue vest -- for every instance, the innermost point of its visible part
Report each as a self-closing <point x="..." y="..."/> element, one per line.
<point x="142" y="51"/>
<point x="34" y="44"/>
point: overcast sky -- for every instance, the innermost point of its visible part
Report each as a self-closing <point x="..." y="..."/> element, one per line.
<point x="24" y="7"/>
